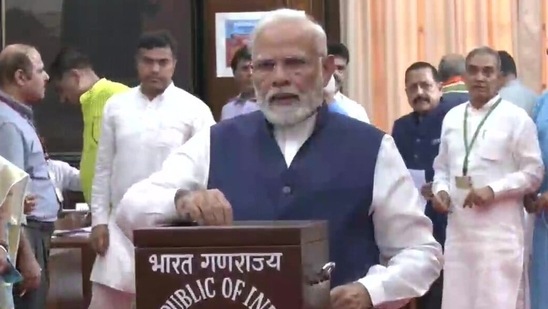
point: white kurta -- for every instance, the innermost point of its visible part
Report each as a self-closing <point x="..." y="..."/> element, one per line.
<point x="137" y="136"/>
<point x="484" y="249"/>
<point x="402" y="231"/>
<point x="352" y="108"/>
<point x="13" y="187"/>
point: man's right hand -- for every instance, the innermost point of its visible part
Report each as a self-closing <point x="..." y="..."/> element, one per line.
<point x="31" y="272"/>
<point x="441" y="202"/>
<point x="206" y="207"/>
<point x="99" y="239"/>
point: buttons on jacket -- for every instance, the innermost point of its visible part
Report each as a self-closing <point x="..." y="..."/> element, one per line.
<point x="286" y="190"/>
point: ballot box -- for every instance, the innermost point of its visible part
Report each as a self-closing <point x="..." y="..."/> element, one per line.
<point x="263" y="265"/>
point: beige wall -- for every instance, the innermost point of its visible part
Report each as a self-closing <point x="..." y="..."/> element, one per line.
<point x="385" y="36"/>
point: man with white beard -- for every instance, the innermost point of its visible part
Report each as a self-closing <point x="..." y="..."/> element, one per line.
<point x="301" y="162"/>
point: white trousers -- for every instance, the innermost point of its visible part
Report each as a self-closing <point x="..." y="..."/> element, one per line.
<point x="104" y="297"/>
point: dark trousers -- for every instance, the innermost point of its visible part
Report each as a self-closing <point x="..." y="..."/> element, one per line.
<point x="432" y="298"/>
<point x="39" y="236"/>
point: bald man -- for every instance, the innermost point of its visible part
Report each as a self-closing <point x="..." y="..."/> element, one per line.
<point x="301" y="162"/>
<point x="451" y="69"/>
<point x="22" y="84"/>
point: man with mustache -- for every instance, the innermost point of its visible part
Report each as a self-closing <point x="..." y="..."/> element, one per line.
<point x="489" y="158"/>
<point x="301" y="162"/>
<point x="417" y="136"/>
<point x="141" y="127"/>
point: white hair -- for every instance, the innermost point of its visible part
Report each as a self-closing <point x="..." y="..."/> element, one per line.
<point x="288" y="15"/>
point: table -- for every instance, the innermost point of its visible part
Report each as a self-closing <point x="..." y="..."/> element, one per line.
<point x="71" y="261"/>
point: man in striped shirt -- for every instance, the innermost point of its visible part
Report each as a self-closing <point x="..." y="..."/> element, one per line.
<point x="76" y="82"/>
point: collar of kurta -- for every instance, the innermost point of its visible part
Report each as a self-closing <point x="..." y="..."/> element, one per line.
<point x="162" y="95"/>
<point x="455" y="84"/>
<point x="453" y="81"/>
<point x="85" y="98"/>
<point x="22" y="109"/>
<point x="487" y="105"/>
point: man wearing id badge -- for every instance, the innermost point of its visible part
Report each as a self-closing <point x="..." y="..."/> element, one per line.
<point x="489" y="158"/>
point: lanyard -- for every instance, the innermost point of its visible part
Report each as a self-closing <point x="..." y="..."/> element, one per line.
<point x="468" y="146"/>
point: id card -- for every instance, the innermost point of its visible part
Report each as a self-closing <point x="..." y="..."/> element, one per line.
<point x="463" y="182"/>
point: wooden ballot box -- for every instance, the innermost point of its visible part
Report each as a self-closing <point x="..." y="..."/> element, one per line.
<point x="263" y="265"/>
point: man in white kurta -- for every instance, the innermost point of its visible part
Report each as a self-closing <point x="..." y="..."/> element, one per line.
<point x="141" y="127"/>
<point x="489" y="159"/>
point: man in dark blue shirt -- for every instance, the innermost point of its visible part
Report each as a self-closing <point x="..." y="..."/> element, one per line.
<point x="417" y="136"/>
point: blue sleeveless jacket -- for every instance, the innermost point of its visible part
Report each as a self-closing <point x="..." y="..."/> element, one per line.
<point x="331" y="178"/>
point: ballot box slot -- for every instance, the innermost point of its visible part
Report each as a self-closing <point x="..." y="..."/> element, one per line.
<point x="239" y="234"/>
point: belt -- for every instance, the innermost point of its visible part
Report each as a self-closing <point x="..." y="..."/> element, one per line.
<point x="40" y="225"/>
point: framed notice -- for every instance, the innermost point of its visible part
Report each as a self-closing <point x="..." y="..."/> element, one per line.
<point x="232" y="31"/>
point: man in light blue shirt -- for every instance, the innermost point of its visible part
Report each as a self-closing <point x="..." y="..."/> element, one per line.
<point x="511" y="88"/>
<point x="22" y="82"/>
<point x="538" y="273"/>
<point x="244" y="102"/>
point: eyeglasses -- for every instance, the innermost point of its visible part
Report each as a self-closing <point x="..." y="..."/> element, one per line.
<point x="290" y="64"/>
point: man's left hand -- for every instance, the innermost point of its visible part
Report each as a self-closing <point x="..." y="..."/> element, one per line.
<point x="29" y="204"/>
<point x="479" y="197"/>
<point x="350" y="296"/>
